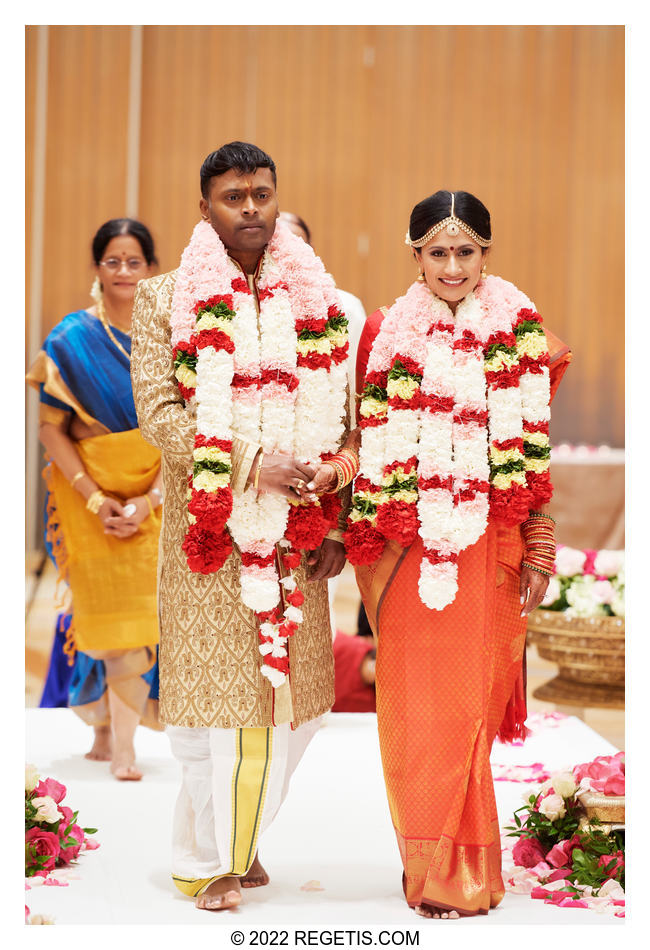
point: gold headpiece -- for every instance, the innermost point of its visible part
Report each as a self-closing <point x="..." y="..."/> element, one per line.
<point x="453" y="226"/>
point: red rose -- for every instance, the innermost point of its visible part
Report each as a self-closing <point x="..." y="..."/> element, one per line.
<point x="527" y="852"/>
<point x="306" y="526"/>
<point x="296" y="599"/>
<point x="363" y="543"/>
<point x="212" y="509"/>
<point x="561" y="854"/>
<point x="51" y="787"/>
<point x="206" y="551"/>
<point x="617" y="862"/>
<point x="398" y="520"/>
<point x="42" y="844"/>
<point x="69" y="852"/>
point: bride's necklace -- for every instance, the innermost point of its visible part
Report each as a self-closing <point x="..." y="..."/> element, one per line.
<point x="101" y="313"/>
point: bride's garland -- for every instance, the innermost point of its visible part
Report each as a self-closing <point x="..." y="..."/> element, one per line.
<point x="282" y="388"/>
<point x="454" y="420"/>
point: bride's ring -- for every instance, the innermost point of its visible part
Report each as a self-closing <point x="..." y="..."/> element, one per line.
<point x="301" y="483"/>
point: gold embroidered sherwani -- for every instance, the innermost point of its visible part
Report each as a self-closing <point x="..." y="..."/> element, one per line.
<point x="209" y="658"/>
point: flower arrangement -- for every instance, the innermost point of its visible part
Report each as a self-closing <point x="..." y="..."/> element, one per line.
<point x="587" y="583"/>
<point x="53" y="839"/>
<point x="560" y="855"/>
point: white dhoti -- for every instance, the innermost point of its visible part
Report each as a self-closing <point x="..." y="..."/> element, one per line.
<point x="233" y="783"/>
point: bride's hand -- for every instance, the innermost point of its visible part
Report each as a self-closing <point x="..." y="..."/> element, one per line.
<point x="323" y="481"/>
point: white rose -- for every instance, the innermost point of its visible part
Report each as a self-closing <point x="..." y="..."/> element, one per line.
<point x="46" y="809"/>
<point x="569" y="561"/>
<point x="564" y="784"/>
<point x="552" y="807"/>
<point x="609" y="563"/>
<point x="31" y="778"/>
<point x="553" y="592"/>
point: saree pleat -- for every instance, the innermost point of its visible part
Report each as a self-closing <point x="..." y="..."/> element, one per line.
<point x="443" y="683"/>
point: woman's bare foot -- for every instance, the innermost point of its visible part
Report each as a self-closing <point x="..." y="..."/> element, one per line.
<point x="437" y="913"/>
<point x="123" y="766"/>
<point x="102" y="747"/>
<point x="223" y="894"/>
<point x="256" y="876"/>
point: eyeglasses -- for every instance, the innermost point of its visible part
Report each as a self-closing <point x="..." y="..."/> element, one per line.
<point x="133" y="264"/>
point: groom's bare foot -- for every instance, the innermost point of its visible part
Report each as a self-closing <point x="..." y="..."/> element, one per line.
<point x="102" y="747"/>
<point x="223" y="894"/>
<point x="436" y="913"/>
<point x="256" y="876"/>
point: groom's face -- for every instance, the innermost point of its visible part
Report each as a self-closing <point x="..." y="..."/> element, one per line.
<point x="242" y="208"/>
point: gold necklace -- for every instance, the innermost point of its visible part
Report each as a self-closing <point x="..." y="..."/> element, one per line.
<point x="101" y="313"/>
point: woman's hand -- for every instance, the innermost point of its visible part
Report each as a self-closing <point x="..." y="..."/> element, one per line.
<point x="327" y="560"/>
<point x="111" y="514"/>
<point x="283" y="475"/>
<point x="532" y="587"/>
<point x="324" y="480"/>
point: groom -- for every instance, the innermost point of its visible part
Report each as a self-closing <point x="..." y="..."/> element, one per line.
<point x="222" y="386"/>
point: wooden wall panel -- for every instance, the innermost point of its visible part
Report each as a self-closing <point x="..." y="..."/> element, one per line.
<point x="363" y="122"/>
<point x="86" y="156"/>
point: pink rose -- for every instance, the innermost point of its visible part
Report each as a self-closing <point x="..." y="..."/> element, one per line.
<point x="619" y="863"/>
<point x="561" y="854"/>
<point x="51" y="787"/>
<point x="527" y="852"/>
<point x="560" y="874"/>
<point x="42" y="844"/>
<point x="90" y="844"/>
<point x="614" y="785"/>
<point x="70" y="852"/>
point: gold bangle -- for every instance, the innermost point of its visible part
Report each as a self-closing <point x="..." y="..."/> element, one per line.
<point x="256" y="480"/>
<point x="149" y="503"/>
<point x="96" y="501"/>
<point x="75" y="478"/>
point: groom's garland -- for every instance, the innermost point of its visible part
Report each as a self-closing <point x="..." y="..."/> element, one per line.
<point x="282" y="387"/>
<point x="454" y="418"/>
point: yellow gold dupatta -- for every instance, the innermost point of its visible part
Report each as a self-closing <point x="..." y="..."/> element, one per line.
<point x="113" y="581"/>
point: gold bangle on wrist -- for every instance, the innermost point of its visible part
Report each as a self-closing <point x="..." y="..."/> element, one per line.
<point x="75" y="478"/>
<point x="95" y="501"/>
<point x="256" y="480"/>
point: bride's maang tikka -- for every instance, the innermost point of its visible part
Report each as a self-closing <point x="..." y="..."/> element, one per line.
<point x="453" y="225"/>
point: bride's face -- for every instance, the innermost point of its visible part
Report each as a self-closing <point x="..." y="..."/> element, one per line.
<point x="451" y="265"/>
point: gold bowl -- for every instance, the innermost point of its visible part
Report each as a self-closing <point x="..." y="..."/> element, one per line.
<point x="589" y="653"/>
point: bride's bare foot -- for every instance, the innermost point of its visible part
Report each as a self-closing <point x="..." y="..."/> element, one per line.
<point x="102" y="746"/>
<point x="123" y="766"/>
<point x="437" y="913"/>
<point x="223" y="894"/>
<point x="256" y="876"/>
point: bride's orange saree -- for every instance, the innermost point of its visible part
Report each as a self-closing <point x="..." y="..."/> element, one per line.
<point x="446" y="682"/>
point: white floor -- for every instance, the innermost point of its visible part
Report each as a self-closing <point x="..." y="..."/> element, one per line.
<point x="334" y="829"/>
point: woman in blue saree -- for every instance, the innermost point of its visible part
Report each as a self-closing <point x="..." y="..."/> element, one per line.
<point x="102" y="507"/>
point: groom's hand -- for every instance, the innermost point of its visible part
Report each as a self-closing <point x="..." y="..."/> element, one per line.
<point x="283" y="475"/>
<point x="327" y="560"/>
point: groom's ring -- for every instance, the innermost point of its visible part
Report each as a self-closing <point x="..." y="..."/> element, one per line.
<point x="301" y="483"/>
